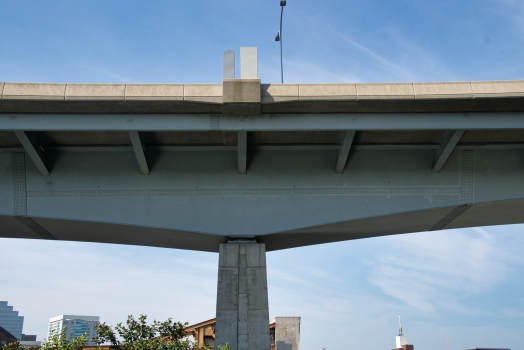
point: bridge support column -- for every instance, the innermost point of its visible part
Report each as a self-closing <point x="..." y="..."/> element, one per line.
<point x="242" y="303"/>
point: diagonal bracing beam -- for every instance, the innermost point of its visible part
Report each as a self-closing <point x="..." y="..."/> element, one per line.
<point x="34" y="150"/>
<point x="242" y="152"/>
<point x="138" y="147"/>
<point x="448" y="141"/>
<point x="347" y="141"/>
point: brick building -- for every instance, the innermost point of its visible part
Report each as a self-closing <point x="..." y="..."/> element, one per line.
<point x="6" y="338"/>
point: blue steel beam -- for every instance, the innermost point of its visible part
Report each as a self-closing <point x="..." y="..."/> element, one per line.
<point x="138" y="147"/>
<point x="34" y="150"/>
<point x="242" y="152"/>
<point x="447" y="144"/>
<point x="349" y="135"/>
<point x="273" y="122"/>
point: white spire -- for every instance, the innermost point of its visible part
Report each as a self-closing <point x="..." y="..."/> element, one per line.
<point x="401" y="339"/>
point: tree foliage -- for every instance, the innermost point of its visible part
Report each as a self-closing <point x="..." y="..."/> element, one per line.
<point x="59" y="341"/>
<point x="138" y="335"/>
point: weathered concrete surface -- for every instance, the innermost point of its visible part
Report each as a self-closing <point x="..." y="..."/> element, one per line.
<point x="154" y="92"/>
<point x="287" y="333"/>
<point x="203" y="93"/>
<point x="327" y="92"/>
<point x="241" y="97"/>
<point x="242" y="302"/>
<point x="241" y="91"/>
<point x="395" y="91"/>
<point x="95" y="92"/>
<point x="443" y="90"/>
<point x="278" y="92"/>
<point x="31" y="91"/>
<point x="498" y="88"/>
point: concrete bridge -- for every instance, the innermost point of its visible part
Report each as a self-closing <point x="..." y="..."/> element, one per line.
<point x="242" y="168"/>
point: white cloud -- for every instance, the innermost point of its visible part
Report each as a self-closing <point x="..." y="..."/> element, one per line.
<point x="429" y="271"/>
<point x="408" y="63"/>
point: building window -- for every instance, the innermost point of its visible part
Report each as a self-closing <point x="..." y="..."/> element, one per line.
<point x="4" y="342"/>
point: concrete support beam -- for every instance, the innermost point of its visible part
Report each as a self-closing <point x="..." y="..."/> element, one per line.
<point x="242" y="303"/>
<point x="229" y="64"/>
<point x="248" y="63"/>
<point x="34" y="150"/>
<point x="242" y="152"/>
<point x="287" y="333"/>
<point x="241" y="97"/>
<point x="448" y="141"/>
<point x="138" y="147"/>
<point x="347" y="141"/>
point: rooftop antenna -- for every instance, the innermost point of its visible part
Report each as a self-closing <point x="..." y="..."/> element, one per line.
<point x="400" y="339"/>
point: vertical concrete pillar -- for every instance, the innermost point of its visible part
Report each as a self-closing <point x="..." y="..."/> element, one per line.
<point x="287" y="333"/>
<point x="242" y="304"/>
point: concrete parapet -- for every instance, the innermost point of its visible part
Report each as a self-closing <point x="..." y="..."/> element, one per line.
<point x="154" y="92"/>
<point x="327" y="92"/>
<point x="203" y="92"/>
<point x="242" y="302"/>
<point x="498" y="88"/>
<point x="443" y="90"/>
<point x="95" y="91"/>
<point x="1" y="90"/>
<point x="278" y="92"/>
<point x="33" y="91"/>
<point x="385" y="91"/>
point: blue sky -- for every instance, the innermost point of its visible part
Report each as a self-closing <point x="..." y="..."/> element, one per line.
<point x="464" y="286"/>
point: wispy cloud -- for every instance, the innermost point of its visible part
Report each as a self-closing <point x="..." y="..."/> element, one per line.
<point x="378" y="59"/>
<point x="410" y="63"/>
<point x="429" y="272"/>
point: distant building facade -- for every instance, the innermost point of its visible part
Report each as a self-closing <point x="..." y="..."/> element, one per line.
<point x="10" y="320"/>
<point x="75" y="326"/>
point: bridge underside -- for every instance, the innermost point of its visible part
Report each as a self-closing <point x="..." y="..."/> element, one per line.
<point x="291" y="196"/>
<point x="482" y="214"/>
<point x="192" y="166"/>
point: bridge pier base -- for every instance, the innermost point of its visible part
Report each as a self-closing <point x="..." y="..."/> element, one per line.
<point x="242" y="302"/>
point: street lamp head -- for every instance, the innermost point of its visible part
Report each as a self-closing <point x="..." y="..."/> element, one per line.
<point x="282" y="2"/>
<point x="277" y="38"/>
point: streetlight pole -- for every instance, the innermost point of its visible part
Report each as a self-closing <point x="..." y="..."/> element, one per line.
<point x="279" y="38"/>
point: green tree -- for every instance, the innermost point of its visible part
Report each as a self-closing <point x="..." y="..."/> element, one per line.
<point x="60" y="341"/>
<point x="13" y="346"/>
<point x="138" y="335"/>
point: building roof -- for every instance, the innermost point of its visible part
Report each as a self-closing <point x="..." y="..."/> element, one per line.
<point x="74" y="317"/>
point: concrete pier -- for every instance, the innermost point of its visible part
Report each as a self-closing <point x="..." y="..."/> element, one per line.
<point x="242" y="303"/>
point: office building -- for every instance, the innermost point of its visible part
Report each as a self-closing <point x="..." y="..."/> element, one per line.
<point x="75" y="326"/>
<point x="10" y="321"/>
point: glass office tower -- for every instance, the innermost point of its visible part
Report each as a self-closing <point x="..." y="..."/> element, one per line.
<point x="75" y="326"/>
<point x="10" y="320"/>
